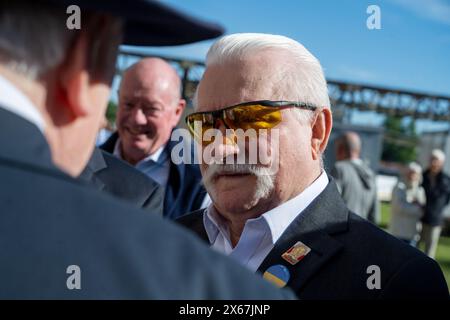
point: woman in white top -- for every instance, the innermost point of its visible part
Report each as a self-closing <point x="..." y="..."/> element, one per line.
<point x="408" y="199"/>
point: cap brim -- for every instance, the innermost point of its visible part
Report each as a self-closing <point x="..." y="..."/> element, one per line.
<point x="151" y="23"/>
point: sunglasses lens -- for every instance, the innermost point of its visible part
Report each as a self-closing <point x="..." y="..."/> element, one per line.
<point x="241" y="117"/>
<point x="253" y="117"/>
<point x="198" y="123"/>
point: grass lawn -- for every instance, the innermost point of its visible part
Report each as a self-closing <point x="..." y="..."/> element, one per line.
<point x="443" y="251"/>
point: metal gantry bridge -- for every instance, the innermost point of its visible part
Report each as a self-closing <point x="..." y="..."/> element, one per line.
<point x="344" y="96"/>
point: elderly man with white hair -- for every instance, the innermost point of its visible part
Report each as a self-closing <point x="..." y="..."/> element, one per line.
<point x="284" y="218"/>
<point x="408" y="199"/>
<point x="437" y="190"/>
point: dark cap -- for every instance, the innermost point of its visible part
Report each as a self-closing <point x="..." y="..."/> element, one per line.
<point x="150" y="23"/>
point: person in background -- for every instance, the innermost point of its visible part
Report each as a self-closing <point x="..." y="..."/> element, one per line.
<point x="355" y="180"/>
<point x="150" y="106"/>
<point x="408" y="199"/>
<point x="437" y="190"/>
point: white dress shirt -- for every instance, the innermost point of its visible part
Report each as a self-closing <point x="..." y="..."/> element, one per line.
<point x="260" y="234"/>
<point x="13" y="100"/>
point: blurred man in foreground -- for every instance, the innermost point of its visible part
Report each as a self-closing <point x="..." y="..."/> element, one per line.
<point x="61" y="239"/>
<point x="150" y="106"/>
<point x="284" y="217"/>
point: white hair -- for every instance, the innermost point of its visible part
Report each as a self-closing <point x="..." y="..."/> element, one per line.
<point x="301" y="77"/>
<point x="414" y="166"/>
<point x="34" y="38"/>
<point x="438" y="154"/>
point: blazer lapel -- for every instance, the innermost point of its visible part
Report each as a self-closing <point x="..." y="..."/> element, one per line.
<point x="326" y="215"/>
<point x="110" y="144"/>
<point x="95" y="164"/>
<point x="174" y="184"/>
<point x="194" y="222"/>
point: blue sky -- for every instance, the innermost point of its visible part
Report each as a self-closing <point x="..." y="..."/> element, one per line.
<point x="411" y="51"/>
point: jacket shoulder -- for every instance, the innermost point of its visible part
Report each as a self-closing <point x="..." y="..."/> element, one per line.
<point x="82" y="226"/>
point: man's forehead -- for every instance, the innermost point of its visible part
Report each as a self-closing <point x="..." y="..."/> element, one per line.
<point x="230" y="84"/>
<point x="138" y="86"/>
<point x="136" y="93"/>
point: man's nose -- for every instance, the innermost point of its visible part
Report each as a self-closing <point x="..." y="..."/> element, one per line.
<point x="138" y="117"/>
<point x="228" y="146"/>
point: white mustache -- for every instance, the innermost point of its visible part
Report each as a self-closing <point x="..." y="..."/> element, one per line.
<point x="214" y="170"/>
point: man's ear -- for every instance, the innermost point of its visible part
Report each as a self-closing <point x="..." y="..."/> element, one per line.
<point x="321" y="130"/>
<point x="74" y="80"/>
<point x="179" y="110"/>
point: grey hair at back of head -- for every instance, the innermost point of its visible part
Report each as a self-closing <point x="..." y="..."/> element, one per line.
<point x="301" y="77"/>
<point x="34" y="38"/>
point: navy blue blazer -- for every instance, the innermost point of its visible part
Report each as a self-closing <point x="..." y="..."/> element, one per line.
<point x="184" y="192"/>
<point x="50" y="222"/>
<point x="343" y="247"/>
<point x="110" y="174"/>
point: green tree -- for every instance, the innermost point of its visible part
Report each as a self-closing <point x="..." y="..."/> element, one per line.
<point x="111" y="111"/>
<point x="400" y="140"/>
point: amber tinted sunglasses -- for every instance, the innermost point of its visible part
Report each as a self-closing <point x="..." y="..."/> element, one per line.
<point x="264" y="114"/>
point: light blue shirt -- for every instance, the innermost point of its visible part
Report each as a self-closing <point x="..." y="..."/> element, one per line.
<point x="259" y="234"/>
<point x="155" y="166"/>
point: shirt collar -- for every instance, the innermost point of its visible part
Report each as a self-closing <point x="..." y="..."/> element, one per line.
<point x="13" y="100"/>
<point x="156" y="156"/>
<point x="277" y="219"/>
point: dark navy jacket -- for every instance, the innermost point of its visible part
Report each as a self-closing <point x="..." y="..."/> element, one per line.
<point x="344" y="249"/>
<point x="50" y="221"/>
<point x="437" y="197"/>
<point x="112" y="175"/>
<point x="184" y="192"/>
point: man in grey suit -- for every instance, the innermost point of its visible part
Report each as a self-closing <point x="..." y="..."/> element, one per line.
<point x="355" y="180"/>
<point x="61" y="239"/>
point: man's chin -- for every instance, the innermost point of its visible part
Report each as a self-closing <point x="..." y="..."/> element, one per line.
<point x="235" y="207"/>
<point x="233" y="199"/>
